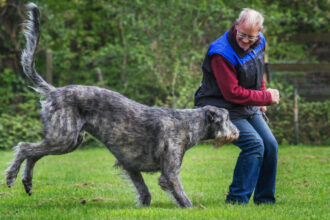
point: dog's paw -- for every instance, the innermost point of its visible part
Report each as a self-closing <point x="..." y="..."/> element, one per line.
<point x="11" y="177"/>
<point x="27" y="186"/>
<point x="145" y="200"/>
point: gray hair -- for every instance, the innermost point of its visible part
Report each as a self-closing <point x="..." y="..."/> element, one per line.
<point x="251" y="17"/>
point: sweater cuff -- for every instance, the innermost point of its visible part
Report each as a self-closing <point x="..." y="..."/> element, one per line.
<point x="269" y="98"/>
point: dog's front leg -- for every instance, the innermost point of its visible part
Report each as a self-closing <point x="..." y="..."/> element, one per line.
<point x="170" y="178"/>
<point x="141" y="187"/>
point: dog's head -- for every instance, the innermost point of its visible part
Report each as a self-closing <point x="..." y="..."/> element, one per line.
<point x="221" y="129"/>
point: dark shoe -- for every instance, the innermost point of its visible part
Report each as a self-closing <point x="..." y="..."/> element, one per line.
<point x="264" y="202"/>
<point x="235" y="202"/>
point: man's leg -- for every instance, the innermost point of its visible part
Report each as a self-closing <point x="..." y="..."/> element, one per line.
<point x="248" y="163"/>
<point x="265" y="188"/>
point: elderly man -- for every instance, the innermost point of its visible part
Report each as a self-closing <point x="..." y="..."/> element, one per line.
<point x="233" y="79"/>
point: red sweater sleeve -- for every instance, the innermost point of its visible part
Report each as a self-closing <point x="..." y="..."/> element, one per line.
<point x="225" y="74"/>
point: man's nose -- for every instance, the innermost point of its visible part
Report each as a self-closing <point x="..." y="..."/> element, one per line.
<point x="245" y="40"/>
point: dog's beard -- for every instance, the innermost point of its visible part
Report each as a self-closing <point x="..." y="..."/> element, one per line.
<point x="221" y="140"/>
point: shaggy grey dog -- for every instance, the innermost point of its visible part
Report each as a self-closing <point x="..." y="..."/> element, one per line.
<point x="142" y="138"/>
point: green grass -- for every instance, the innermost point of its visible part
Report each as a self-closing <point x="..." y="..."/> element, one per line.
<point x="84" y="185"/>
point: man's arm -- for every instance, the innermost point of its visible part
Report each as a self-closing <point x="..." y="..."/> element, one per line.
<point x="226" y="76"/>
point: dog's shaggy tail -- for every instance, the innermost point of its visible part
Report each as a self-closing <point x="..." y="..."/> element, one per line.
<point x="32" y="34"/>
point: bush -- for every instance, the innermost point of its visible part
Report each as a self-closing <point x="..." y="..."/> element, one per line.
<point x="314" y="127"/>
<point x="19" y="111"/>
<point x="18" y="128"/>
<point x="313" y="118"/>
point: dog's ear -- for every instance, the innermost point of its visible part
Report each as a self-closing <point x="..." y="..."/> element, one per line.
<point x="210" y="114"/>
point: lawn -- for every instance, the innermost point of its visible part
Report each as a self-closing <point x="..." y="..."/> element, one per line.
<point x="84" y="185"/>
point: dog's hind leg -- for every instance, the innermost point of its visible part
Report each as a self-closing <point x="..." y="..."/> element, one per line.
<point x="28" y="174"/>
<point x="32" y="152"/>
<point x="141" y="187"/>
<point x="30" y="162"/>
<point x="23" y="150"/>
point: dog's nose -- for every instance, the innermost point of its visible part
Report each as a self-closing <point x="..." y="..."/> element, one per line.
<point x="236" y="134"/>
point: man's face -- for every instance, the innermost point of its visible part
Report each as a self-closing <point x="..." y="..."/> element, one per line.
<point x="246" y="35"/>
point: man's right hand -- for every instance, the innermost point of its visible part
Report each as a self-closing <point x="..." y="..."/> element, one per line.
<point x="275" y="95"/>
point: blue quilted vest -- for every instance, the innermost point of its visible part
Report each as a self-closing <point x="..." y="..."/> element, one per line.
<point x="249" y="66"/>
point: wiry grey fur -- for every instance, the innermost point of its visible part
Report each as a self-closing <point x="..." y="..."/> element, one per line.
<point x="142" y="138"/>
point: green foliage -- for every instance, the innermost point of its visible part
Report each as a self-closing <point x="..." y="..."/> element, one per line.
<point x="19" y="119"/>
<point x="142" y="46"/>
<point x="10" y="82"/>
<point x="313" y="118"/>
<point x="19" y="111"/>
<point x="281" y="115"/>
<point x="15" y="128"/>
<point x="150" y="51"/>
<point x="314" y="126"/>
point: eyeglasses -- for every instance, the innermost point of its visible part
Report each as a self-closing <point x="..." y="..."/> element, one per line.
<point x="250" y="38"/>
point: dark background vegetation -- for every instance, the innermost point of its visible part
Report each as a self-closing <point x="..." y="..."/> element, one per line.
<point x="151" y="51"/>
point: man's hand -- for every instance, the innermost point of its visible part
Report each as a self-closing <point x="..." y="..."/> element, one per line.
<point x="263" y="108"/>
<point x="275" y="95"/>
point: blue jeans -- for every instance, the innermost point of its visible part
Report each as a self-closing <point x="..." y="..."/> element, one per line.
<point x="256" y="165"/>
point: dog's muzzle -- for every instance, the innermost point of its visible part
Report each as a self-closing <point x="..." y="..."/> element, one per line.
<point x="226" y="137"/>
